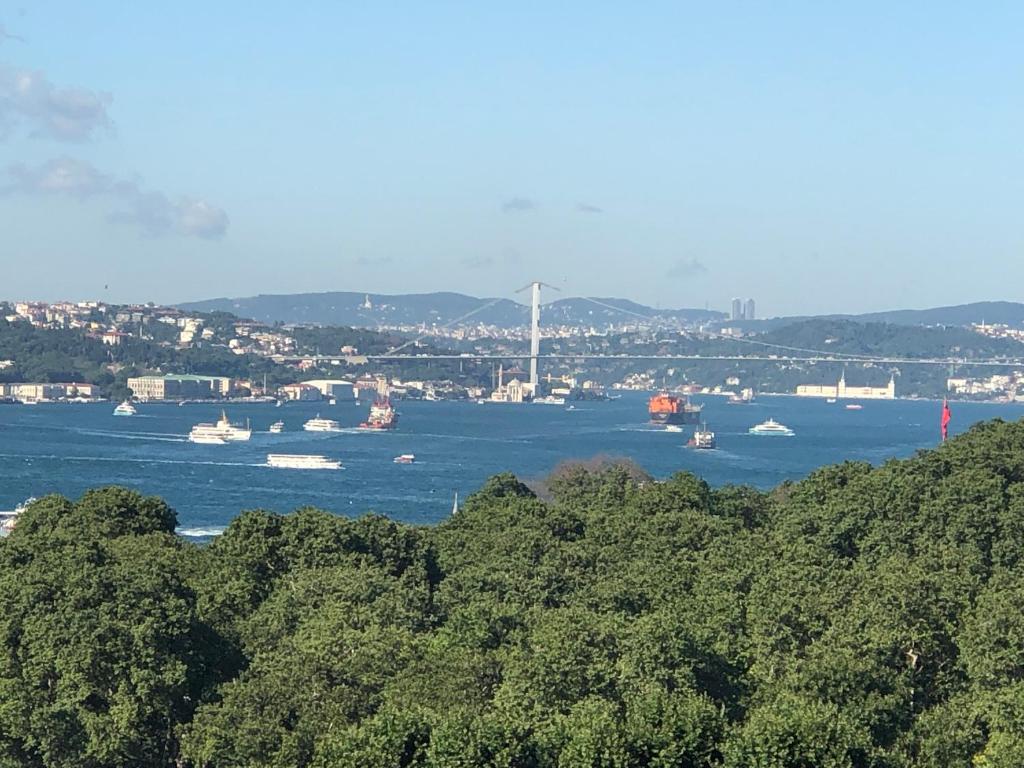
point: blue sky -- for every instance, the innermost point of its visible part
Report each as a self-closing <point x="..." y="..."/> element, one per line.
<point x="815" y="158"/>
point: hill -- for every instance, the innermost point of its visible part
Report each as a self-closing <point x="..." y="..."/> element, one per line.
<point x="1008" y="313"/>
<point x="375" y="310"/>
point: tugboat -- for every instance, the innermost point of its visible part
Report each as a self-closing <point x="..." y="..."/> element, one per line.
<point x="664" y="408"/>
<point x="703" y="438"/>
<point x="382" y="415"/>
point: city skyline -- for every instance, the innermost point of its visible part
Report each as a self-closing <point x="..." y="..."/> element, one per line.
<point x="675" y="157"/>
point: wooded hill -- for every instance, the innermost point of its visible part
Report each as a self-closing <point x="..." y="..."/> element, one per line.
<point x="865" y="616"/>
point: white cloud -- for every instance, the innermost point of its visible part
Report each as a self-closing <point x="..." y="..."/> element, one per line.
<point x="65" y="114"/>
<point x="152" y="211"/>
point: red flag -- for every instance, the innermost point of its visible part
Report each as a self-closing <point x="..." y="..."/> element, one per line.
<point x="946" y="416"/>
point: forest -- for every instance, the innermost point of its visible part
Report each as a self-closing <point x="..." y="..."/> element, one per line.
<point x="865" y="616"/>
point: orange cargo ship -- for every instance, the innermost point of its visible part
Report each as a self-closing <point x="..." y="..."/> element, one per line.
<point x="672" y="409"/>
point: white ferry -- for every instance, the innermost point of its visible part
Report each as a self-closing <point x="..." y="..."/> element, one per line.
<point x="549" y="400"/>
<point x="277" y="427"/>
<point x="221" y="432"/>
<point x="301" y="461"/>
<point x="321" y="425"/>
<point x="125" y="409"/>
<point x="771" y="427"/>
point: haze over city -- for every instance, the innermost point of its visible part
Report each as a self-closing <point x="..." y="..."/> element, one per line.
<point x="675" y="154"/>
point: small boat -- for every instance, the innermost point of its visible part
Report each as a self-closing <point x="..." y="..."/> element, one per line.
<point x="771" y="428"/>
<point x="301" y="461"/>
<point x="321" y="425"/>
<point x="278" y="403"/>
<point x="570" y="408"/>
<point x="830" y="400"/>
<point x="9" y="519"/>
<point x="673" y="428"/>
<point x="125" y="409"/>
<point x="703" y="439"/>
<point x="277" y="427"/>
<point x="405" y="458"/>
<point x="333" y="401"/>
<point x="854" y="406"/>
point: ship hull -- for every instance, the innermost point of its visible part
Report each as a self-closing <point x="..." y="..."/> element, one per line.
<point x="679" y="417"/>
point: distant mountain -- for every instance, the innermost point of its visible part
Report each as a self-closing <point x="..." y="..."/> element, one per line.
<point x="374" y="310"/>
<point x="996" y="312"/>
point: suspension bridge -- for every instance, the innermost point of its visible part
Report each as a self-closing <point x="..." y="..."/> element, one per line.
<point x="769" y="352"/>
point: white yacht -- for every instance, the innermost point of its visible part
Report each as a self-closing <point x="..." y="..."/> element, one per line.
<point x="771" y="427"/>
<point x="277" y="427"/>
<point x="301" y="461"/>
<point x="125" y="409"/>
<point x="221" y="432"/>
<point x="10" y="518"/>
<point x="321" y="425"/>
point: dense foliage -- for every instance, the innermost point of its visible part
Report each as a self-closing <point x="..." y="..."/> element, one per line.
<point x="865" y="616"/>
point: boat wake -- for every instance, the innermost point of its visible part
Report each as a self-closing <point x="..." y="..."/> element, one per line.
<point x="201" y="533"/>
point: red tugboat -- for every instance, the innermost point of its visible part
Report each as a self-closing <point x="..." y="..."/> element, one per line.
<point x="382" y="415"/>
<point x="672" y="409"/>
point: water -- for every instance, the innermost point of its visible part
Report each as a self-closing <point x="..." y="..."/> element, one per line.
<point x="70" y="448"/>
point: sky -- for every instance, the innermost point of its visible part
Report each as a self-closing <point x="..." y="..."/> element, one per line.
<point x="818" y="157"/>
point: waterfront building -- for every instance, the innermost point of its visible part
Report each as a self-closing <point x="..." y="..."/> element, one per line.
<point x="842" y="390"/>
<point x="179" y="387"/>
<point x="339" y="389"/>
<point x="301" y="392"/>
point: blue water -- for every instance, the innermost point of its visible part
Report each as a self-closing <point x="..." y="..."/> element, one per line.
<point x="70" y="448"/>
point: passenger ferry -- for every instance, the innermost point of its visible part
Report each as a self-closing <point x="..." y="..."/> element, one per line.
<point x="771" y="427"/>
<point x="549" y="400"/>
<point x="125" y="409"/>
<point x="301" y="461"/>
<point x="321" y="425"/>
<point x="221" y="432"/>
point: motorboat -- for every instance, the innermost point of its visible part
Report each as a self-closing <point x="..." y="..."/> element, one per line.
<point x="405" y="458"/>
<point x="277" y="427"/>
<point x="125" y="409"/>
<point x="771" y="428"/>
<point x="854" y="406"/>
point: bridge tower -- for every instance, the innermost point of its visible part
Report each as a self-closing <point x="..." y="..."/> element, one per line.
<point x="534" y="334"/>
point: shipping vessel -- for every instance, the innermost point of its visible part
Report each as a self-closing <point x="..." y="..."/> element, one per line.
<point x="672" y="409"/>
<point x="382" y="415"/>
<point x="745" y="397"/>
<point x="301" y="461"/>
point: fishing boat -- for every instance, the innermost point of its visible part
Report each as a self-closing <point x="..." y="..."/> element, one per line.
<point x="125" y="409"/>
<point x="301" y="461"/>
<point x="405" y="458"/>
<point x="321" y="425"/>
<point x="703" y="439"/>
<point x="277" y="427"/>
<point x="771" y="428"/>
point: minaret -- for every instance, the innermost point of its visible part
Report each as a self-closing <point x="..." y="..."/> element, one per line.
<point x="841" y="388"/>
